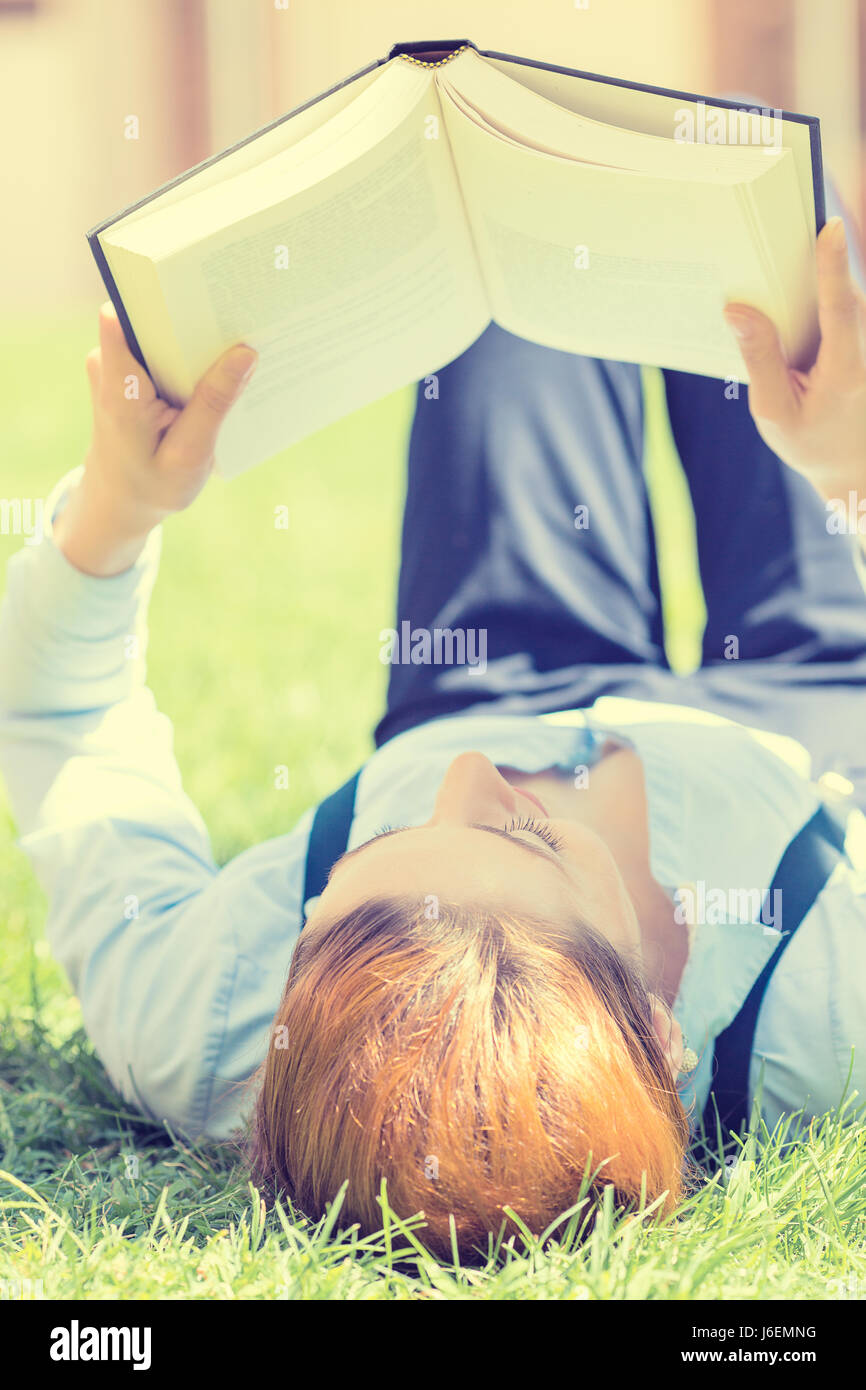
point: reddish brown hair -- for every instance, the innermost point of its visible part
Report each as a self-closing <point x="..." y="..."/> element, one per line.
<point x="472" y="1059"/>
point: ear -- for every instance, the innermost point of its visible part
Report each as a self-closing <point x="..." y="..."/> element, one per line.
<point x="669" y="1034"/>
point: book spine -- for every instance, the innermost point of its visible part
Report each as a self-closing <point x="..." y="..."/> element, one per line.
<point x="114" y="295"/>
<point x="439" y="50"/>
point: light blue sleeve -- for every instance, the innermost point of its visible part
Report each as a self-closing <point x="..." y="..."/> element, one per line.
<point x="178" y="966"/>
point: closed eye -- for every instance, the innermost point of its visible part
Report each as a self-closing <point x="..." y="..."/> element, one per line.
<point x="537" y="828"/>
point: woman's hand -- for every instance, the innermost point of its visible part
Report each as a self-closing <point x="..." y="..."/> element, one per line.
<point x="815" y="421"/>
<point x="147" y="458"/>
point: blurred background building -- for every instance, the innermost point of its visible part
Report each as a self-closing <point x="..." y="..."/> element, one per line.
<point x="200" y="74"/>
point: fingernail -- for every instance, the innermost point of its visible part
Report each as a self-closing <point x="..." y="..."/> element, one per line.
<point x="834" y="231"/>
<point x="742" y="324"/>
<point x="245" y="360"/>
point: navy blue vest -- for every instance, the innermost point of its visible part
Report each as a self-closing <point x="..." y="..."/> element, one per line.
<point x="801" y="874"/>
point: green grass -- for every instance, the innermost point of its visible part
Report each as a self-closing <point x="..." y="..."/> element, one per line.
<point x="259" y="652"/>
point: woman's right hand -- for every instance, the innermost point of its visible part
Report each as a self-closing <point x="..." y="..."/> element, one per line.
<point x="815" y="421"/>
<point x="147" y="458"/>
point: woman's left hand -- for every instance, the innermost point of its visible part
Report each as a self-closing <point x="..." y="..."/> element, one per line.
<point x="815" y="421"/>
<point x="147" y="458"/>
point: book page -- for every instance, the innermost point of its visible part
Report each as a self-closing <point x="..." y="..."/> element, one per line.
<point x="355" y="286"/>
<point x="612" y="263"/>
<point x="657" y="113"/>
<point x="780" y="227"/>
<point x="512" y="110"/>
<point x="168" y="225"/>
<point x="269" y="142"/>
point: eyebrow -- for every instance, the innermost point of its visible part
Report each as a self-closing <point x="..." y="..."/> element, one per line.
<point x="549" y="855"/>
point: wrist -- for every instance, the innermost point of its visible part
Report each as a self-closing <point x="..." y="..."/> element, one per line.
<point x="838" y="483"/>
<point x="99" y="533"/>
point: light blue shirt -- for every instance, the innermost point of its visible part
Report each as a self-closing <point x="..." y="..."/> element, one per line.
<point x="179" y="966"/>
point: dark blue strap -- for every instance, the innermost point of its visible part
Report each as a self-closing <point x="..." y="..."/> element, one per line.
<point x="329" y="836"/>
<point x="803" y="870"/>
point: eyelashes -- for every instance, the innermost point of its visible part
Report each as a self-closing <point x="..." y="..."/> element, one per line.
<point x="535" y="827"/>
<point x="539" y="828"/>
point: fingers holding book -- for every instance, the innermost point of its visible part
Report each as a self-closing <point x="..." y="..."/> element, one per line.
<point x="814" y="420"/>
<point x="147" y="458"/>
<point x="194" y="434"/>
<point x="123" y="391"/>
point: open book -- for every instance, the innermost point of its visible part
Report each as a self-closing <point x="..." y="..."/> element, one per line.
<point x="367" y="239"/>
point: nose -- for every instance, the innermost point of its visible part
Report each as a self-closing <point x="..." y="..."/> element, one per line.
<point x="474" y="792"/>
